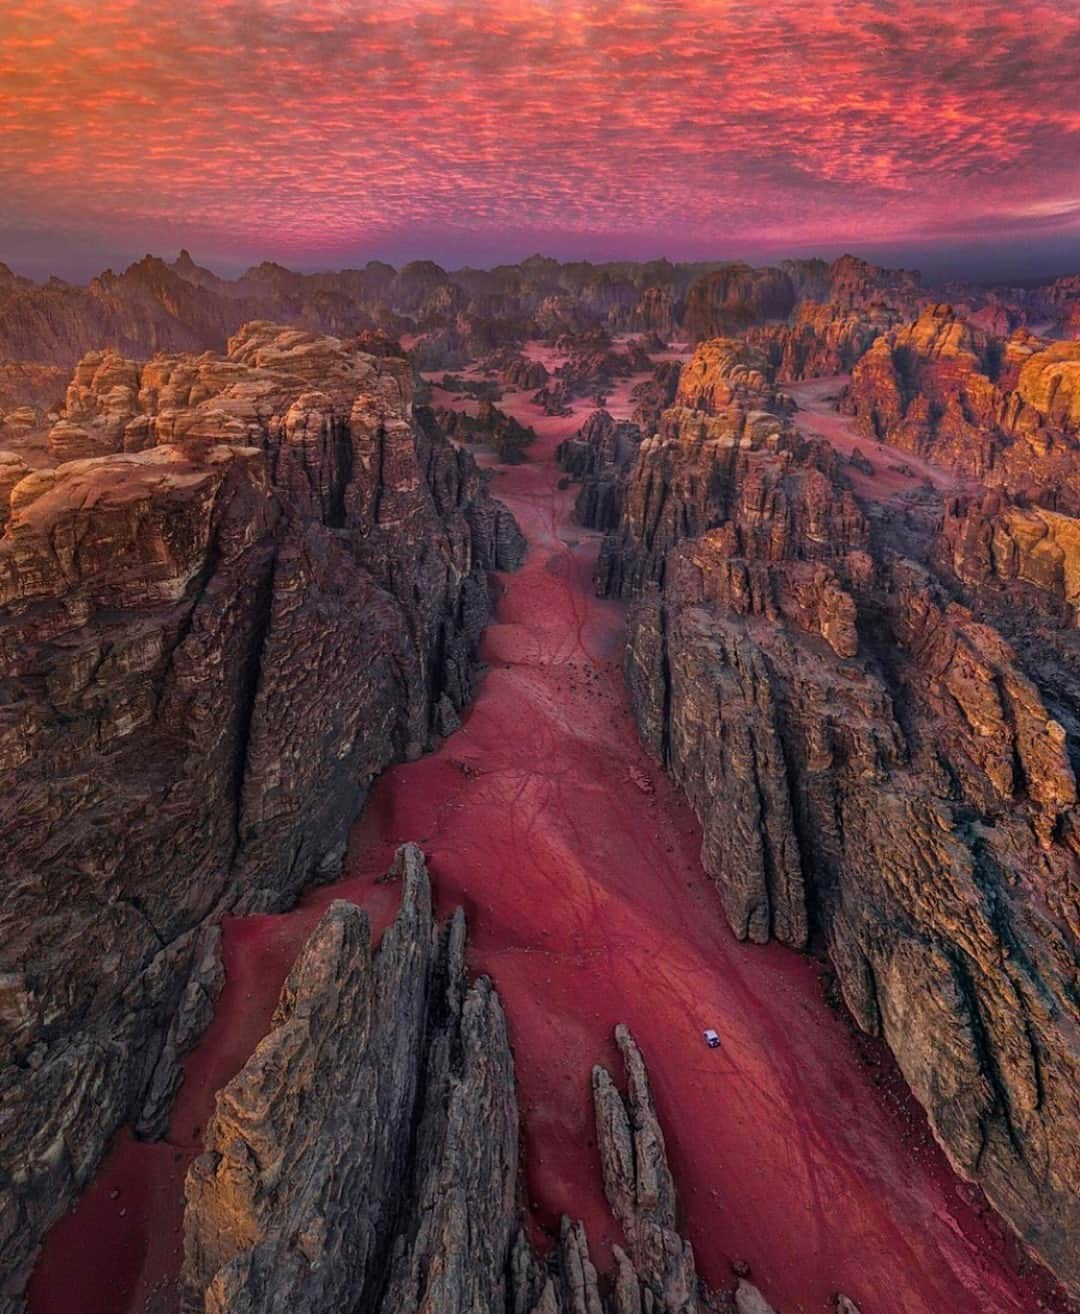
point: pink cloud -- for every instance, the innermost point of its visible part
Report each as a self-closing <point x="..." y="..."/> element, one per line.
<point x="327" y="122"/>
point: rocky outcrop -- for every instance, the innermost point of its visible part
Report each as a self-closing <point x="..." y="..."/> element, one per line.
<point x="653" y="396"/>
<point x="372" y="1134"/>
<point x="640" y="1189"/>
<point x="597" y="457"/>
<point x="13" y="470"/>
<point x="1006" y="412"/>
<point x="821" y="339"/>
<point x="727" y="454"/>
<point x="656" y="312"/>
<point x="991" y="540"/>
<point x="874" y="764"/>
<point x="854" y="283"/>
<point x="520" y="372"/>
<point x="593" y="365"/>
<point x="366" y="1156"/>
<point x="842" y="309"/>
<point x="730" y="299"/>
<point x="30" y="395"/>
<point x="1056" y="303"/>
<point x="208" y="647"/>
<point x="508" y="436"/>
<point x="726" y="370"/>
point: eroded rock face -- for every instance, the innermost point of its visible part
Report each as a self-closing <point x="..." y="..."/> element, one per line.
<point x="653" y="396"/>
<point x="299" y="1200"/>
<point x="508" y="436"/>
<point x="208" y="648"/>
<point x="991" y="540"/>
<point x="1006" y="412"/>
<point x="593" y="364"/>
<point x="366" y="1156"/>
<point x="730" y="299"/>
<point x="639" y="1185"/>
<point x="520" y="372"/>
<point x="597" y="457"/>
<point x="821" y="339"/>
<point x="727" y="456"/>
<point x="853" y="283"/>
<point x="873" y="760"/>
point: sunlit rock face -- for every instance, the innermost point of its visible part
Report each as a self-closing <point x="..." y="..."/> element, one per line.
<point x="1004" y="411"/>
<point x="212" y="637"/>
<point x="879" y="751"/>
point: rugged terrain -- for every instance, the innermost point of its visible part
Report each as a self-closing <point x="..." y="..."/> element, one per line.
<point x="1003" y="410"/>
<point x="828" y="672"/>
<point x="851" y="644"/>
<point x="384" y="1097"/>
<point x="266" y="583"/>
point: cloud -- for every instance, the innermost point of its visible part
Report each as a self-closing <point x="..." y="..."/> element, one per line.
<point x="320" y="126"/>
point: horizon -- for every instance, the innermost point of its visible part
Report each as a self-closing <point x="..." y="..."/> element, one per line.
<point x="940" y="268"/>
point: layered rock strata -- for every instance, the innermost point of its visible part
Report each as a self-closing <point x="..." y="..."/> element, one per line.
<point x="876" y="763"/>
<point x="212" y="638"/>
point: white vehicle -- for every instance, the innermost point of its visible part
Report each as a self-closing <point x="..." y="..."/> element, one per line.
<point x="711" y="1039"/>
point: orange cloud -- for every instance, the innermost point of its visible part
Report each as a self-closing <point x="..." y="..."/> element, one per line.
<point x="323" y="123"/>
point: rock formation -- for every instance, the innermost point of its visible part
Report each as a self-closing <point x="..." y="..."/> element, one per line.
<point x="1006" y="412"/>
<point x="730" y="299"/>
<point x="656" y="312"/>
<point x="873" y="761"/>
<point x="520" y="372"/>
<point x="654" y="395"/>
<point x="508" y="436"/>
<point x="25" y="383"/>
<point x="596" y="457"/>
<point x="593" y="364"/>
<point x="991" y="540"/>
<point x="853" y="283"/>
<point x="821" y="339"/>
<point x="366" y="1156"/>
<point x="213" y="635"/>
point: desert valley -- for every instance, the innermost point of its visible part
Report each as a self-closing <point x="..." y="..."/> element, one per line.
<point x="539" y="783"/>
<point x="432" y="700"/>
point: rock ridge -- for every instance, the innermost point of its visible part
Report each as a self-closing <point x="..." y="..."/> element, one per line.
<point x="209" y="647"/>
<point x="883" y="759"/>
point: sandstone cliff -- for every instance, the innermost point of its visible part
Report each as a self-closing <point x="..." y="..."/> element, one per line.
<point x="821" y="339"/>
<point x="875" y="763"/>
<point x="1004" y="411"/>
<point x="730" y="299"/>
<point x="267" y="585"/>
<point x="736" y="299"/>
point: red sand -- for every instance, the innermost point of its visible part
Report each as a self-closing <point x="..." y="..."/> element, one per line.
<point x="795" y="1146"/>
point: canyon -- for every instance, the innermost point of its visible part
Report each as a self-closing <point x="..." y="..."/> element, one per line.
<point x="267" y="583"/>
<point x="775" y="612"/>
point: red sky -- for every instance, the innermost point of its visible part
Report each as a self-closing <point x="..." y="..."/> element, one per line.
<point x="329" y="130"/>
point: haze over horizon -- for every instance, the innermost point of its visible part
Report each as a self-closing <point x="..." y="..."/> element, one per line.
<point x="327" y="134"/>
